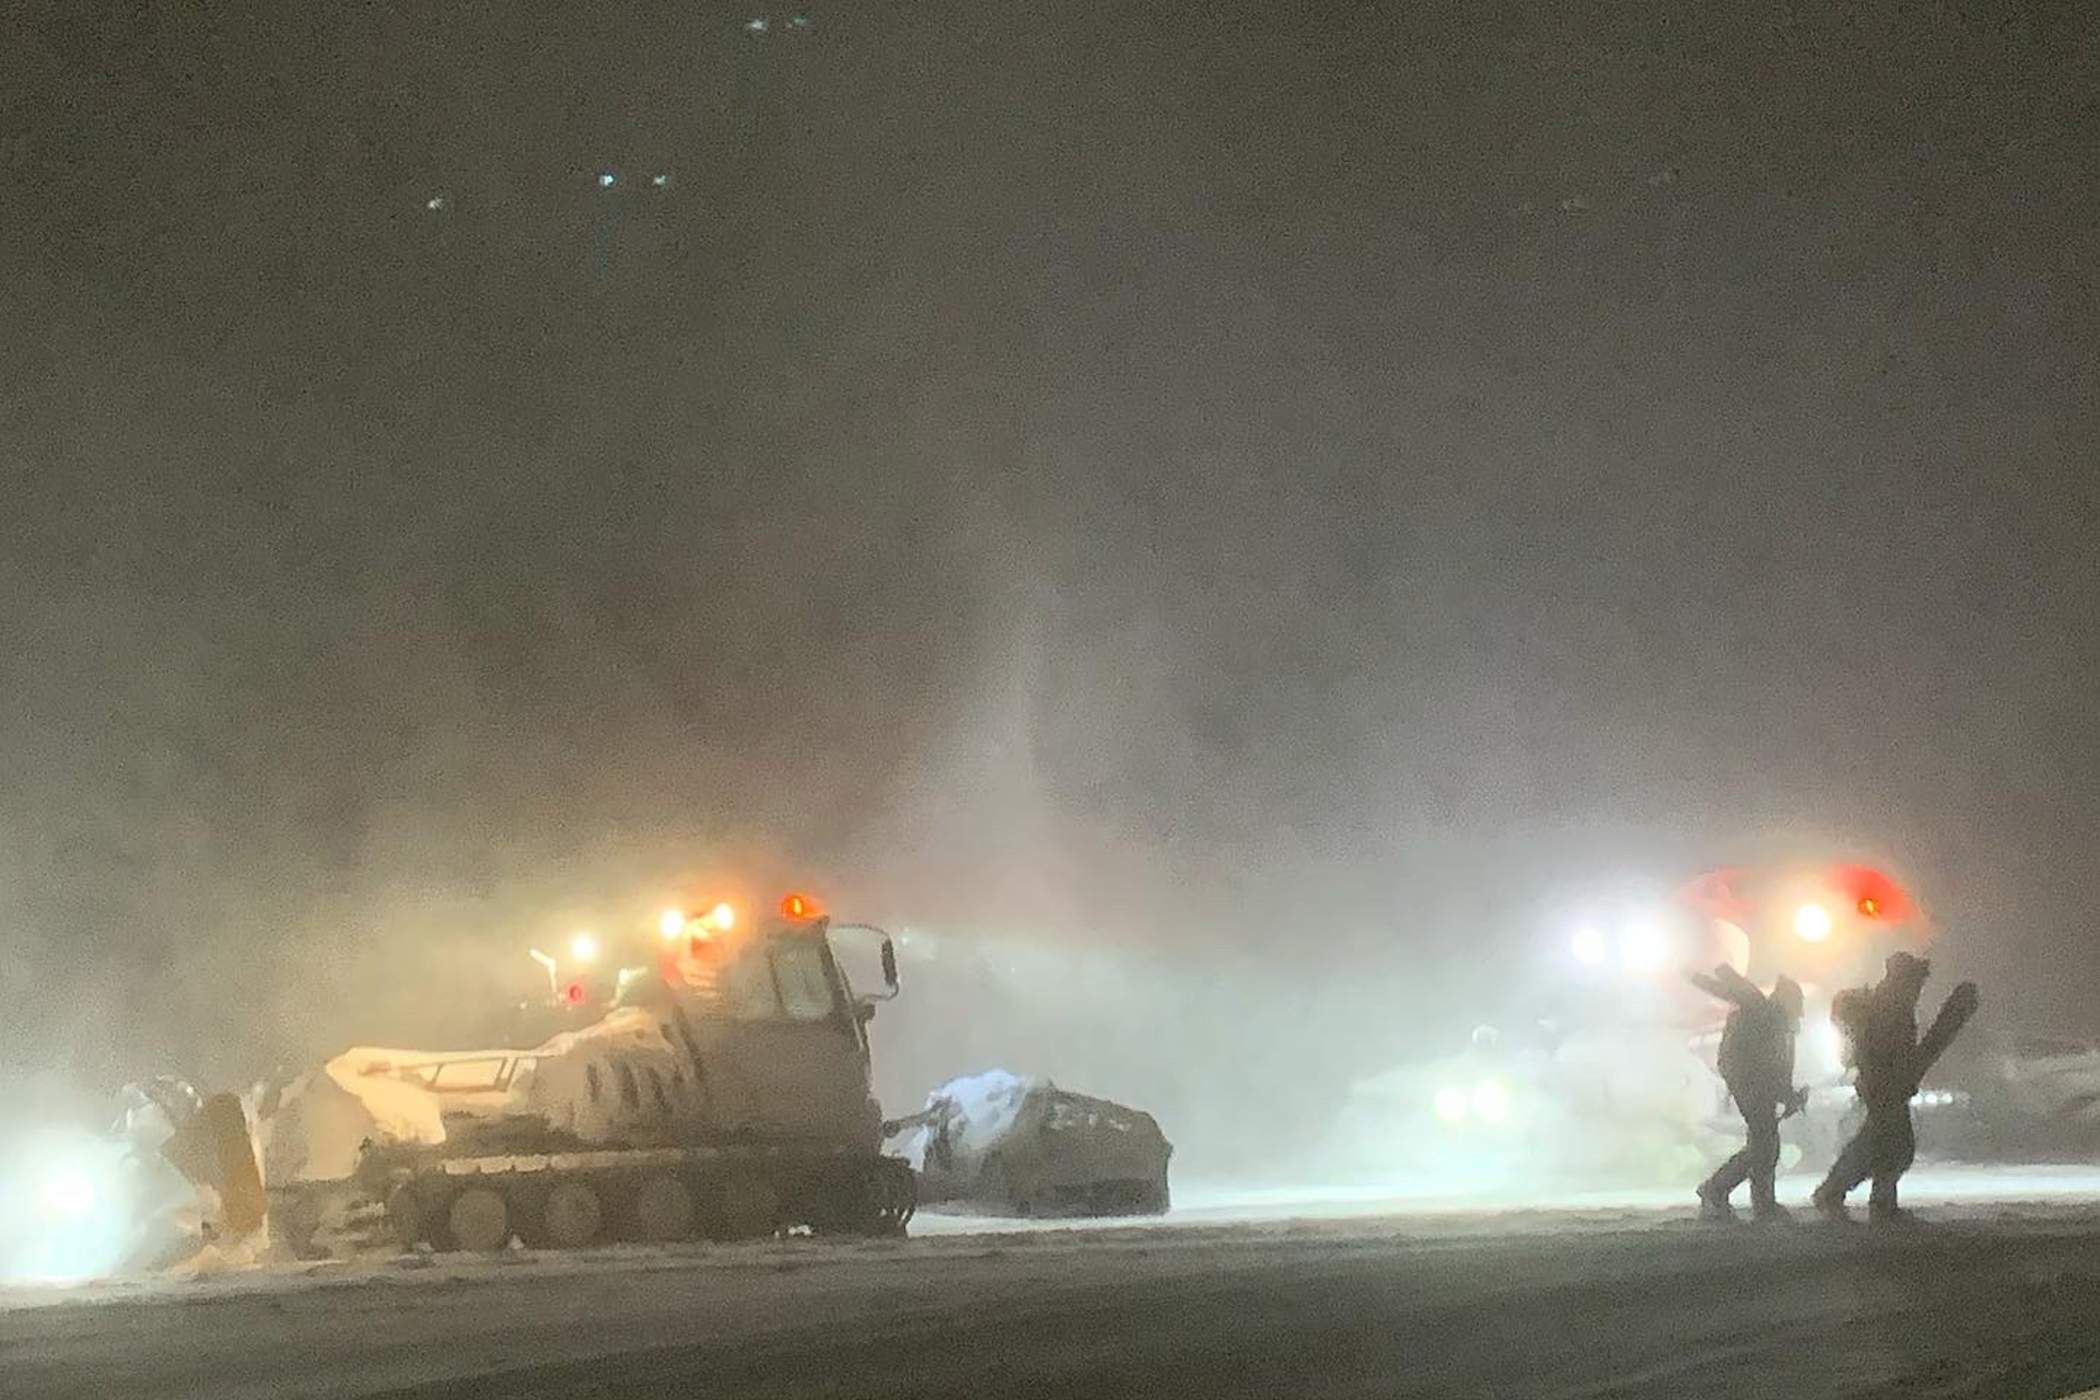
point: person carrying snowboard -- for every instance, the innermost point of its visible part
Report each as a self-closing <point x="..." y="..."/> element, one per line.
<point x="1881" y="1023"/>
<point x="1756" y="1061"/>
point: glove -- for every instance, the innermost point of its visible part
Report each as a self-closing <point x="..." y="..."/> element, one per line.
<point x="1964" y="998"/>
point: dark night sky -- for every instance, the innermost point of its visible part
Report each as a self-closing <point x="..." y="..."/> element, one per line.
<point x="1176" y="478"/>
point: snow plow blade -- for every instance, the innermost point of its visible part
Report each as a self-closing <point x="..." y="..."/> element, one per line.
<point x="213" y="1150"/>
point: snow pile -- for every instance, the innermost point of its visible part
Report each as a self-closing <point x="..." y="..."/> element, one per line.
<point x="620" y="1054"/>
<point x="324" y="1118"/>
<point x="971" y="1113"/>
<point x="587" y="1083"/>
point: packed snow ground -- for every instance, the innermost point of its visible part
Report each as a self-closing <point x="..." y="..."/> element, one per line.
<point x="1254" y="1294"/>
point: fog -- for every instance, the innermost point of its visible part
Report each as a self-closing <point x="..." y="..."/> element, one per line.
<point x="1210" y="519"/>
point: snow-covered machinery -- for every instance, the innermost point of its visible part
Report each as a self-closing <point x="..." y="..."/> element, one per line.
<point x="1019" y="1145"/>
<point x="723" y="1091"/>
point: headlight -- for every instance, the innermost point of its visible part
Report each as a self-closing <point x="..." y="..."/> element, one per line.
<point x="1490" y="1101"/>
<point x="71" y="1208"/>
<point x="1812" y="923"/>
<point x="1451" y="1104"/>
<point x="1643" y="947"/>
<point x="67" y="1191"/>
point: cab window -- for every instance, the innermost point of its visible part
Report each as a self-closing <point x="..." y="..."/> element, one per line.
<point x="805" y="992"/>
<point x="745" y="985"/>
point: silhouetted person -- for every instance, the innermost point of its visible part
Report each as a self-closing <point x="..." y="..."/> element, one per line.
<point x="1882" y="1025"/>
<point x="1757" y="1065"/>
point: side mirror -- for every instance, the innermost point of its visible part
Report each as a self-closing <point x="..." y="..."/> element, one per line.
<point x="889" y="965"/>
<point x="864" y="1011"/>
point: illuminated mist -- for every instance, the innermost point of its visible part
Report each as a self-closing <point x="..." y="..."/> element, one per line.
<point x="1206" y="520"/>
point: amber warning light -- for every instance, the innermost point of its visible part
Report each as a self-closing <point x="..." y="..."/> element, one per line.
<point x="797" y="906"/>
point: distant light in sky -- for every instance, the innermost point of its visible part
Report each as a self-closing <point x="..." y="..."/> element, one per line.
<point x="659" y="180"/>
<point x="435" y="203"/>
<point x="606" y="179"/>
<point x="759" y="25"/>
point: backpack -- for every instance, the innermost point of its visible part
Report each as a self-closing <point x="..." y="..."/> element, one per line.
<point x="1736" y="1057"/>
<point x="1849" y="1011"/>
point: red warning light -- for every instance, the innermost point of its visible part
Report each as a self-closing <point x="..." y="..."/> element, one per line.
<point x="1875" y="894"/>
<point x="573" y="994"/>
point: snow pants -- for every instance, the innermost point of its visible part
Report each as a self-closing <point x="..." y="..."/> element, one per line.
<point x="1883" y="1149"/>
<point x="1758" y="1162"/>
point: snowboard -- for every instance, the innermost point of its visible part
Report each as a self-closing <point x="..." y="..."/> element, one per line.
<point x="1954" y="1014"/>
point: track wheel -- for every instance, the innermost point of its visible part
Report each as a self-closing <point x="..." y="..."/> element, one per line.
<point x="750" y="1207"/>
<point x="663" y="1210"/>
<point x="573" y="1216"/>
<point x="404" y="1216"/>
<point x="479" y="1220"/>
<point x="294" y="1223"/>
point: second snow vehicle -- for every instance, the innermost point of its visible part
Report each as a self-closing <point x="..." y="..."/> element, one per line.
<point x="1608" y="1072"/>
<point x="1019" y="1145"/>
<point x="723" y="1092"/>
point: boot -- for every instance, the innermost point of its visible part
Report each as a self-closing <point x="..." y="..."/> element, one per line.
<point x="1830" y="1205"/>
<point x="1882" y="1208"/>
<point x="1887" y="1212"/>
<point x="1713" y="1205"/>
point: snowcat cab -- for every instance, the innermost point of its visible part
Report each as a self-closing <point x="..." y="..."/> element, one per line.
<point x="773" y="1009"/>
